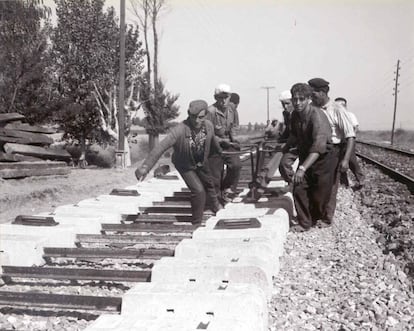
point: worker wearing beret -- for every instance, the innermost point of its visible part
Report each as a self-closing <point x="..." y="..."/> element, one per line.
<point x="224" y="120"/>
<point x="343" y="136"/>
<point x="192" y="141"/>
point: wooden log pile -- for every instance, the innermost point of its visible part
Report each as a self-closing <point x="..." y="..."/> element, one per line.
<point x="26" y="150"/>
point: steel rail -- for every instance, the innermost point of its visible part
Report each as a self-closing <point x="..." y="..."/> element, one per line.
<point x="127" y="240"/>
<point x="154" y="228"/>
<point x="75" y="274"/>
<point x="393" y="149"/>
<point x="160" y="218"/>
<point x="31" y="300"/>
<point x="106" y="253"/>
<point x="396" y="175"/>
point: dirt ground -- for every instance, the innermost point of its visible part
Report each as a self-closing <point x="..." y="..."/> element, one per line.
<point x="32" y="195"/>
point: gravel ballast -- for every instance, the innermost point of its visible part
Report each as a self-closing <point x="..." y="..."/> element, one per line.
<point x="338" y="278"/>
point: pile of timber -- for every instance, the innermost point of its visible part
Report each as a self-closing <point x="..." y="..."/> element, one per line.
<point x="25" y="150"/>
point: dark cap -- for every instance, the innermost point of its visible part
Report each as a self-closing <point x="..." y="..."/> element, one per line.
<point x="235" y="98"/>
<point x="196" y="106"/>
<point x="319" y="84"/>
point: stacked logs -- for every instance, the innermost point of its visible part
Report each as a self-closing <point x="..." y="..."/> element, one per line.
<point x="25" y="150"/>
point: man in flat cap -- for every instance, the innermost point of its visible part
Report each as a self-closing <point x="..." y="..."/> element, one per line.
<point x="224" y="121"/>
<point x="343" y="137"/>
<point x="234" y="102"/>
<point x="192" y="141"/>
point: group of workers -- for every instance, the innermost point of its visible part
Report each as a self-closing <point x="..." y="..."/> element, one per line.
<point x="318" y="131"/>
<point x="321" y="135"/>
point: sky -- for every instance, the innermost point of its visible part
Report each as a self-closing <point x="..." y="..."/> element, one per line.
<point x="251" y="44"/>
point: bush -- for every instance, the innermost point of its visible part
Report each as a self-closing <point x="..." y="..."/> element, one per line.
<point x="95" y="155"/>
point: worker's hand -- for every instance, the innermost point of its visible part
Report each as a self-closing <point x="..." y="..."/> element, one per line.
<point x="344" y="166"/>
<point x="299" y="176"/>
<point x="225" y="143"/>
<point x="141" y="172"/>
<point x="235" y="145"/>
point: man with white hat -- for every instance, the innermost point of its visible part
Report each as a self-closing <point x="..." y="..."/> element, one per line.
<point x="223" y="117"/>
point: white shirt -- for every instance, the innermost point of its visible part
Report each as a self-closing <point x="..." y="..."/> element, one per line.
<point x="353" y="119"/>
<point x="341" y="124"/>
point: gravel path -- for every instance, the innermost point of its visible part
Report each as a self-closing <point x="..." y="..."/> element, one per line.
<point x="337" y="278"/>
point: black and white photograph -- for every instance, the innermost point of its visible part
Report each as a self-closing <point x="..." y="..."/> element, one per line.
<point x="220" y="165"/>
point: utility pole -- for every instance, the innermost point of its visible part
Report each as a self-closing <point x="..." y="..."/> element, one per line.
<point x="267" y="90"/>
<point x="397" y="74"/>
<point x="120" y="160"/>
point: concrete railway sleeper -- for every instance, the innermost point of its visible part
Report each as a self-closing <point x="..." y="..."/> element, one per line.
<point x="164" y="223"/>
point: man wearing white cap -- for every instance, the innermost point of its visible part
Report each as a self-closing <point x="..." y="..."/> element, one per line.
<point x="223" y="118"/>
<point x="288" y="158"/>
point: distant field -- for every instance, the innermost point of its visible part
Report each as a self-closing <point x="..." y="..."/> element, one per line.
<point x="403" y="138"/>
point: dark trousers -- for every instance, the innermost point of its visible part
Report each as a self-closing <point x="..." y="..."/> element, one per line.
<point x="286" y="163"/>
<point x="232" y="174"/>
<point x="312" y="195"/>
<point x="355" y="168"/>
<point x="331" y="206"/>
<point x="201" y="184"/>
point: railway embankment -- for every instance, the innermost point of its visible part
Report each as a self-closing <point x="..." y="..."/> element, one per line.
<point x="349" y="276"/>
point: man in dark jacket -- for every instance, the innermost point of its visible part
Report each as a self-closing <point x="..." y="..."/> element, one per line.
<point x="342" y="137"/>
<point x="286" y="163"/>
<point x="313" y="180"/>
<point x="191" y="140"/>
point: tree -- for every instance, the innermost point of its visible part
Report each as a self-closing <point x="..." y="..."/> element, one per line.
<point x="159" y="106"/>
<point x="86" y="53"/>
<point x="23" y="58"/>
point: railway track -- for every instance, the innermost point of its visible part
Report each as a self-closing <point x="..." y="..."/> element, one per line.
<point x="395" y="162"/>
<point x="103" y="266"/>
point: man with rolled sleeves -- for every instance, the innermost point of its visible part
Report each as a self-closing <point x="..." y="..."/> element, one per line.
<point x="312" y="182"/>
<point x="192" y="141"/>
<point x="223" y="118"/>
<point x="353" y="162"/>
<point x="342" y="137"/>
